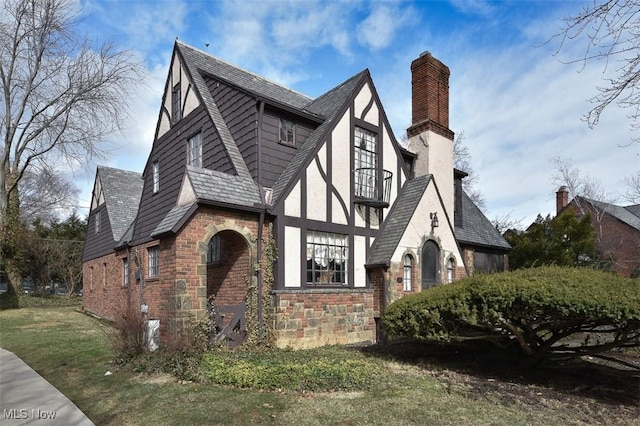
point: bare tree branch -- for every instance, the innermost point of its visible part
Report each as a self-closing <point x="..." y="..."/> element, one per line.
<point x="611" y="32"/>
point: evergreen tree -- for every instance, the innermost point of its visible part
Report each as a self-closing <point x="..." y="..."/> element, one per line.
<point x="564" y="240"/>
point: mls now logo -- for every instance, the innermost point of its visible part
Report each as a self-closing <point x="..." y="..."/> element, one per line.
<point x="16" y="414"/>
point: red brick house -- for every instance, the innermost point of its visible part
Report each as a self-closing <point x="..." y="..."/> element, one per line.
<point x="617" y="230"/>
<point x="276" y="212"/>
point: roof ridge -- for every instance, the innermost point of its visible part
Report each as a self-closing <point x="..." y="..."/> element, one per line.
<point x="195" y="49"/>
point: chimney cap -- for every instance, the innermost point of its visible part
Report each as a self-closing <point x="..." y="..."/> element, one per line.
<point x="563" y="188"/>
<point x="425" y="53"/>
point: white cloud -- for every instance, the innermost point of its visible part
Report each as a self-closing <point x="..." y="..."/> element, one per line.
<point x="379" y="28"/>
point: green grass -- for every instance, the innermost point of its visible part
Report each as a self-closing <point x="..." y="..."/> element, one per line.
<point x="73" y="352"/>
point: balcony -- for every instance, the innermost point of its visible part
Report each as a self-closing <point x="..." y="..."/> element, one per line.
<point x="368" y="191"/>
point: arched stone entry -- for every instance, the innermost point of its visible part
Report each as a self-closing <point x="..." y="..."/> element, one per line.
<point x="430" y="264"/>
<point x="228" y="274"/>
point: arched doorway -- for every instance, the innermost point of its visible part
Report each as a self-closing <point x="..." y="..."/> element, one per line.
<point x="430" y="264"/>
<point x="228" y="273"/>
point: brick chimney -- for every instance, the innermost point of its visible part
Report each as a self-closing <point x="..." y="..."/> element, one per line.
<point x="429" y="96"/>
<point x="562" y="199"/>
<point x="429" y="135"/>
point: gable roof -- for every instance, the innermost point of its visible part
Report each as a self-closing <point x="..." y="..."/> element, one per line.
<point x="399" y="216"/>
<point x="253" y="83"/>
<point x="122" y="190"/>
<point x="628" y="215"/>
<point x="328" y="105"/>
<point x="476" y="229"/>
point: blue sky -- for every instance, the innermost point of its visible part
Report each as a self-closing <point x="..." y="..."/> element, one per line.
<point x="516" y="103"/>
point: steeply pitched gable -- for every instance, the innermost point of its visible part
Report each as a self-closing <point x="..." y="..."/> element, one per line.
<point x="328" y="105"/>
<point x="399" y="216"/>
<point x="121" y="189"/>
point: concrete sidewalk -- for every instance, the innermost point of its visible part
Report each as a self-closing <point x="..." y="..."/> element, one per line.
<point x="27" y="398"/>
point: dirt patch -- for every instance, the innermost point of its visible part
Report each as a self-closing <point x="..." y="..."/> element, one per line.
<point x="595" y="389"/>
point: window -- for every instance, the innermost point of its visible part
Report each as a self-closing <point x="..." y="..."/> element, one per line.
<point x="194" y="151"/>
<point x="287" y="132"/>
<point x="327" y="259"/>
<point x="98" y="221"/>
<point x="213" y="253"/>
<point x="366" y="164"/>
<point x="154" y="264"/>
<point x="176" y="110"/>
<point x="408" y="273"/>
<point x="156" y="177"/>
<point x="125" y="272"/>
<point x="104" y="275"/>
<point x="451" y="266"/>
<point x="91" y="278"/>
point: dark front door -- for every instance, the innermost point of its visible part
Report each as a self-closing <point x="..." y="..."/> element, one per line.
<point x="430" y="264"/>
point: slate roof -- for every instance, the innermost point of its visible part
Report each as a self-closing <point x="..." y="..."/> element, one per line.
<point x="397" y="220"/>
<point x="247" y="80"/>
<point x="476" y="229"/>
<point x="122" y="190"/>
<point x="626" y="215"/>
<point x="173" y="219"/>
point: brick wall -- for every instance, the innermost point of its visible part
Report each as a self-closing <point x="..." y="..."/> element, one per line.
<point x="311" y="318"/>
<point x="179" y="294"/>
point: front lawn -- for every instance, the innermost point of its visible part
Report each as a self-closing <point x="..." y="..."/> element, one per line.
<point x="395" y="385"/>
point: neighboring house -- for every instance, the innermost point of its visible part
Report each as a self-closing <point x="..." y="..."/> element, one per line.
<point x="241" y="166"/>
<point x="617" y="231"/>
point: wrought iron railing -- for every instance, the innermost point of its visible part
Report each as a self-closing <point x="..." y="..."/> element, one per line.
<point x="368" y="189"/>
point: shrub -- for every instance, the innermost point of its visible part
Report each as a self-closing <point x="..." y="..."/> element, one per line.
<point x="320" y="369"/>
<point x="548" y="312"/>
<point x="129" y="335"/>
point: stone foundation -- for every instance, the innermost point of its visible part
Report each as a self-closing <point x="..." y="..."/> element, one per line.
<point x="312" y="318"/>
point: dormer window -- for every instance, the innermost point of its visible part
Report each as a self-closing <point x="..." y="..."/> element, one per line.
<point x="287" y="132"/>
<point x="194" y="151"/>
<point x="176" y="110"/>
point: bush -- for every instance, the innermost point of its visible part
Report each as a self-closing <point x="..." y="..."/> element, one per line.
<point x="320" y="369"/>
<point x="548" y="312"/>
<point x="129" y="335"/>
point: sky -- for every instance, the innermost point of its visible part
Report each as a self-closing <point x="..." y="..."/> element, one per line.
<point x="516" y="101"/>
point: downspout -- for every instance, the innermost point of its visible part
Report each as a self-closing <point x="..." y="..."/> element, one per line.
<point x="260" y="220"/>
<point x="140" y="279"/>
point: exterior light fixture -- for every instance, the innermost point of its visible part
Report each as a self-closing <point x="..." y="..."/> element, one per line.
<point x="434" y="220"/>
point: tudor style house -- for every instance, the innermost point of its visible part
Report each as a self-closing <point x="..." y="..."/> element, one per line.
<point x="617" y="230"/>
<point x="307" y="211"/>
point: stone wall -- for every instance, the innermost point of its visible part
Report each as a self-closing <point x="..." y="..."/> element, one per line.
<point x="311" y="318"/>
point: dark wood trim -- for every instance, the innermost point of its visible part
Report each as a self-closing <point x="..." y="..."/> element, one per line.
<point x="329" y="179"/>
<point x="368" y="107"/>
<point x="357" y="122"/>
<point x="322" y="226"/>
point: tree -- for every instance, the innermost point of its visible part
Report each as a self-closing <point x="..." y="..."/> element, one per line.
<point x="633" y="188"/>
<point x="61" y="96"/>
<point x="578" y="184"/>
<point x="610" y="31"/>
<point x="462" y="161"/>
<point x="565" y="240"/>
<point x="53" y="253"/>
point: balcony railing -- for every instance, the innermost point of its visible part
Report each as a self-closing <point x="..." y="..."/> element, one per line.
<point x="368" y="191"/>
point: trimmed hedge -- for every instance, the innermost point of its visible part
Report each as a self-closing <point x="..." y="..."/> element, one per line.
<point x="549" y="312"/>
